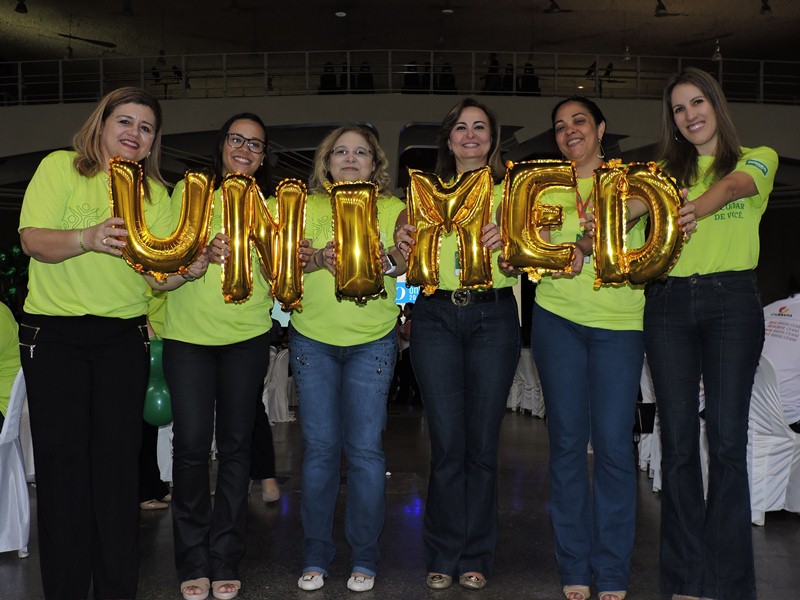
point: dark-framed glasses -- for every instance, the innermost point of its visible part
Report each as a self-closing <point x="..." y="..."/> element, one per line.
<point x="341" y="152"/>
<point x="236" y="140"/>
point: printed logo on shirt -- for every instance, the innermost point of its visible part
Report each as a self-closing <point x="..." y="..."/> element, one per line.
<point x="757" y="164"/>
<point x="784" y="311"/>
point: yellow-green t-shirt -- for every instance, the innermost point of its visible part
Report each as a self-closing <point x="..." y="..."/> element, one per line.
<point x="9" y="355"/>
<point x="574" y="298"/>
<point x="344" y="323"/>
<point x="92" y="283"/>
<point x="727" y="240"/>
<point x="197" y="313"/>
<point x="449" y="261"/>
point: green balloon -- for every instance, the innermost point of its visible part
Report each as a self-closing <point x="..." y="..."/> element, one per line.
<point x="157" y="405"/>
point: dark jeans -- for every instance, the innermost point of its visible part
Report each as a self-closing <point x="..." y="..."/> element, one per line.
<point x="86" y="379"/>
<point x="465" y="359"/>
<point x="590" y="381"/>
<point x="710" y="325"/>
<point x="208" y="382"/>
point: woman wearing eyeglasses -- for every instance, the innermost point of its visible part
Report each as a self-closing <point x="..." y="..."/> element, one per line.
<point x="215" y="360"/>
<point x="343" y="356"/>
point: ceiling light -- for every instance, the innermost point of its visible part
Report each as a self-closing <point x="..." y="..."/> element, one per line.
<point x="21" y="8"/>
<point x="661" y="10"/>
<point x="717" y="56"/>
<point x="340" y="14"/>
<point x="766" y="9"/>
<point x="627" y="55"/>
<point x="553" y="8"/>
<point x="447" y="11"/>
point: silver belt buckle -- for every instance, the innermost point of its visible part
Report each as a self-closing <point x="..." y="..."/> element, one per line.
<point x="461" y="297"/>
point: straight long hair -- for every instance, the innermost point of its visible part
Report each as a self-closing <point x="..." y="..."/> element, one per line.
<point x="446" y="161"/>
<point x="677" y="154"/>
<point x="86" y="141"/>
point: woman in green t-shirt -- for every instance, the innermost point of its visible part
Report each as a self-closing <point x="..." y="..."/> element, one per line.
<point x="342" y="357"/>
<point x="85" y="349"/>
<point x="465" y="349"/>
<point x="706" y="319"/>
<point x="216" y="356"/>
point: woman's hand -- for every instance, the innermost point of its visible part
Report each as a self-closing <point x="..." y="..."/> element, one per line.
<point x="404" y="239"/>
<point x="687" y="220"/>
<point x="219" y="248"/>
<point x="322" y="258"/>
<point x="507" y="268"/>
<point x="491" y="237"/>
<point x="198" y="268"/>
<point x="108" y="237"/>
<point x="305" y="253"/>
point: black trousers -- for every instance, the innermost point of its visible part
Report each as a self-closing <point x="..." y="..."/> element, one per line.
<point x="208" y="383"/>
<point x="86" y="379"/>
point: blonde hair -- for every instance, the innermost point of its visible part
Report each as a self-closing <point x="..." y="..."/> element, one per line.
<point x="86" y="141"/>
<point x="321" y="173"/>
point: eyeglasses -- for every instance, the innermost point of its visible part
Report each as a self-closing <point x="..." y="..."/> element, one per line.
<point x="341" y="152"/>
<point x="253" y="144"/>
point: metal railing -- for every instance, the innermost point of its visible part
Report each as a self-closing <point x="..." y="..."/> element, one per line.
<point x="386" y="72"/>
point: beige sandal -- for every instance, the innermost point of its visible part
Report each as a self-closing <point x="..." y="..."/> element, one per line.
<point x="220" y="595"/>
<point x="576" y="592"/>
<point x="201" y="584"/>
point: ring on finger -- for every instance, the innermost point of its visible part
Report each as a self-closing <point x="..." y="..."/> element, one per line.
<point x="104" y="241"/>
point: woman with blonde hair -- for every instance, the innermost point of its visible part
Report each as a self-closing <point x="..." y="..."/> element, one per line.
<point x="85" y="349"/>
<point x="342" y="358"/>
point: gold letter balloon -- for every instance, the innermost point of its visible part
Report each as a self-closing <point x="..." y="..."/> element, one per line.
<point x="614" y="262"/>
<point x="357" y="241"/>
<point x="436" y="207"/>
<point x="146" y="253"/>
<point x="277" y="239"/>
<point x="524" y="216"/>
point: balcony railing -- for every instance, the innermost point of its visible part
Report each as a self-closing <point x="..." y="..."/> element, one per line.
<point x="385" y="72"/>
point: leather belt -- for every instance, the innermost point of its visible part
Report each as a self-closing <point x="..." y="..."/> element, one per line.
<point x="467" y="297"/>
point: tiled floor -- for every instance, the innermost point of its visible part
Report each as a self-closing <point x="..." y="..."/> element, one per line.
<point x="524" y="566"/>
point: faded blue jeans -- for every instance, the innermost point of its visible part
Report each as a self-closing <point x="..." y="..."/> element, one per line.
<point x="709" y="325"/>
<point x="342" y="393"/>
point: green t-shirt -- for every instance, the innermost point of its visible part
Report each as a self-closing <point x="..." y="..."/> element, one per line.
<point x="448" y="255"/>
<point x="727" y="240"/>
<point x="574" y="298"/>
<point x="9" y="355"/>
<point x="197" y="313"/>
<point x="92" y="283"/>
<point x="344" y="323"/>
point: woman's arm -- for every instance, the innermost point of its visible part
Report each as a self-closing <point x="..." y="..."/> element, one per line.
<point x="733" y="186"/>
<point x="57" y="245"/>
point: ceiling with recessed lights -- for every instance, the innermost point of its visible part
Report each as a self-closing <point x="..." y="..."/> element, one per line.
<point x="758" y="29"/>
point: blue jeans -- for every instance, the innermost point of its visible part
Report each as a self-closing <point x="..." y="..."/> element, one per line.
<point x="342" y="393"/>
<point x="211" y="385"/>
<point x="710" y="325"/>
<point x="465" y="359"/>
<point x="590" y="382"/>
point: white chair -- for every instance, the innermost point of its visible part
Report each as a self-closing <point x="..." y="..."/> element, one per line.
<point x="773" y="450"/>
<point x="164" y="452"/>
<point x="526" y="389"/>
<point x="15" y="506"/>
<point x="276" y="389"/>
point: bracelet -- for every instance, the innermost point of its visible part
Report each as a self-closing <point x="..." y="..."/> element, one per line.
<point x="188" y="277"/>
<point x="80" y="241"/>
